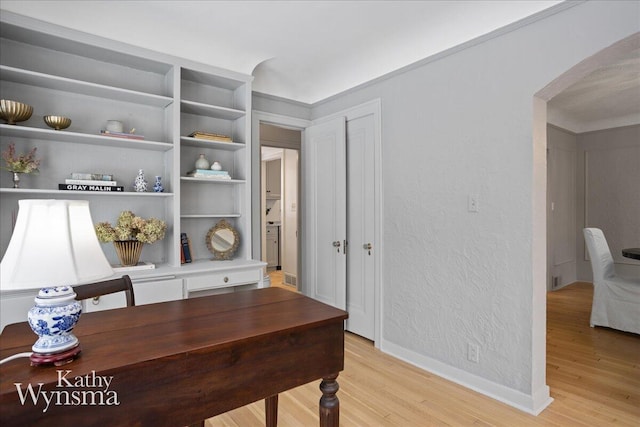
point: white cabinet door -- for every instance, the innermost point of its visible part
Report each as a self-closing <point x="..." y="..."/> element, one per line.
<point x="327" y="177"/>
<point x="14" y="307"/>
<point x="272" y="246"/>
<point x="273" y="178"/>
<point x="360" y="227"/>
<point x="158" y="291"/>
<point x="325" y="207"/>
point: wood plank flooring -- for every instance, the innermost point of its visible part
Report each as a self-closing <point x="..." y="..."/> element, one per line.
<point x="277" y="280"/>
<point x="593" y="373"/>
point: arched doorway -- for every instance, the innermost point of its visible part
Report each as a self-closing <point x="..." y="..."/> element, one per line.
<point x="576" y="73"/>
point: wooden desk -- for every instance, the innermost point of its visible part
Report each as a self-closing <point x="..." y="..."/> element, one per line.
<point x="180" y="362"/>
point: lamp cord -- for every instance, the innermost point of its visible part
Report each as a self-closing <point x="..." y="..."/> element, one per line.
<point x="15" y="356"/>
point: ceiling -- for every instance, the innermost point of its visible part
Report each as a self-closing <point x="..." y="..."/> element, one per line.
<point x="300" y="50"/>
<point x="607" y="97"/>
<point x="307" y="51"/>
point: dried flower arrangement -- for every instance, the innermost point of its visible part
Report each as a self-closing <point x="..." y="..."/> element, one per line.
<point x="24" y="163"/>
<point x="131" y="227"/>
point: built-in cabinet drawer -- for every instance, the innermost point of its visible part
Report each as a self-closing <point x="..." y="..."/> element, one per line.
<point x="145" y="292"/>
<point x="105" y="302"/>
<point x="152" y="292"/>
<point x="15" y="305"/>
<point x="223" y="279"/>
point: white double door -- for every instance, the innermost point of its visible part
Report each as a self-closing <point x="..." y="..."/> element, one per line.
<point x="340" y="247"/>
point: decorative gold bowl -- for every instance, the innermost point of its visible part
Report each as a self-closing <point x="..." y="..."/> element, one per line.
<point x="14" y="111"/>
<point x="57" y="122"/>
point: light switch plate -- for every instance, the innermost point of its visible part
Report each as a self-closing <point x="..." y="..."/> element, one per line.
<point x="473" y="203"/>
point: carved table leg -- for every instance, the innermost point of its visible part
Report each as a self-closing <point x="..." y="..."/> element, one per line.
<point x="329" y="403"/>
<point x="271" y="411"/>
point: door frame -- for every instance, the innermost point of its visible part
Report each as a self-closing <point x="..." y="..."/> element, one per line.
<point x="257" y="236"/>
<point x="372" y="107"/>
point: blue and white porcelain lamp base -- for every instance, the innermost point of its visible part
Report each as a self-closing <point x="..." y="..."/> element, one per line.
<point x="53" y="246"/>
<point x="53" y="318"/>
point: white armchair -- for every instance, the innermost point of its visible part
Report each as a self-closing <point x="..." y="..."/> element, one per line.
<point x="616" y="299"/>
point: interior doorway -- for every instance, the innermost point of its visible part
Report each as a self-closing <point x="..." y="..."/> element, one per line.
<point x="280" y="195"/>
<point x="570" y="77"/>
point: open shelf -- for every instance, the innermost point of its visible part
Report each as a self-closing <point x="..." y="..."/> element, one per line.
<point x="198" y="108"/>
<point x="17" y="131"/>
<point x="205" y="143"/>
<point x="212" y="181"/>
<point x="49" y="81"/>
<point x="83" y="193"/>
<point x="199" y="216"/>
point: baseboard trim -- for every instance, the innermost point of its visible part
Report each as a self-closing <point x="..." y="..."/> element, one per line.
<point x="532" y="404"/>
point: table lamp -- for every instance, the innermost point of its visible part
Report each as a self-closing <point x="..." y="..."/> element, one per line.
<point x="53" y="247"/>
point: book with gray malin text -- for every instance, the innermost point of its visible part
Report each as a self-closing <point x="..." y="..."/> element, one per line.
<point x="103" y="188"/>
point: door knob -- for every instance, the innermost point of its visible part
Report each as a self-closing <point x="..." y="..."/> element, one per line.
<point x="336" y="244"/>
<point x="367" y="247"/>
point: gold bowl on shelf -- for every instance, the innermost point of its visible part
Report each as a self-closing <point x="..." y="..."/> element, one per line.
<point x="57" y="122"/>
<point x="14" y="111"/>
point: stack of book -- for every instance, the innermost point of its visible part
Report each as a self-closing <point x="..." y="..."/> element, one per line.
<point x="90" y="182"/>
<point x="121" y="134"/>
<point x="209" y="174"/>
<point x="210" y="136"/>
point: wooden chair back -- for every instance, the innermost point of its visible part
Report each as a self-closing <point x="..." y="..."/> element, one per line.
<point x="95" y="290"/>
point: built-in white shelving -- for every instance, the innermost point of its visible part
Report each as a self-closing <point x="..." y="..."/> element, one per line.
<point x="92" y="80"/>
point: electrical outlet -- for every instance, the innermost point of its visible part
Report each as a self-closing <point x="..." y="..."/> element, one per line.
<point x="473" y="203"/>
<point x="473" y="352"/>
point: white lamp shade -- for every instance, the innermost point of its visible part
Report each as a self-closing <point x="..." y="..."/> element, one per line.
<point x="53" y="244"/>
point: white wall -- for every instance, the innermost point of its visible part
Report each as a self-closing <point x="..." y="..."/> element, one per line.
<point x="609" y="194"/>
<point x="561" y="206"/>
<point x="461" y="125"/>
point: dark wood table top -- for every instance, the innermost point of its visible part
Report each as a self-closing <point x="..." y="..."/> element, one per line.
<point x="631" y="253"/>
<point x="217" y="329"/>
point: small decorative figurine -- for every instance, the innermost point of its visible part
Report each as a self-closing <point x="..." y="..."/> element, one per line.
<point x="216" y="166"/>
<point x="157" y="186"/>
<point x="202" y="162"/>
<point x="140" y="184"/>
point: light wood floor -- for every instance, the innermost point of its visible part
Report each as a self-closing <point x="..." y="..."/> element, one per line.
<point x="276" y="277"/>
<point x="593" y="373"/>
